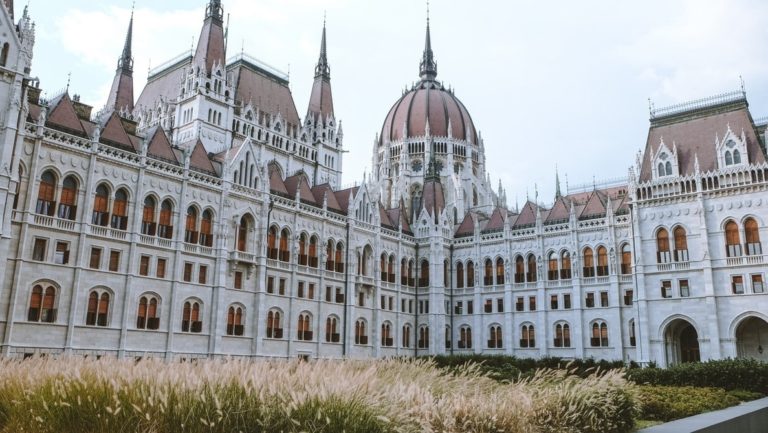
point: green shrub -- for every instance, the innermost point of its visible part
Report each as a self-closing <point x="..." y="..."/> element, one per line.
<point x="667" y="403"/>
<point x="503" y="367"/>
<point x="745" y="395"/>
<point x="730" y="374"/>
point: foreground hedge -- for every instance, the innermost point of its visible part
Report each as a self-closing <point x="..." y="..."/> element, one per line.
<point x="503" y="367"/>
<point x="109" y="396"/>
<point x="730" y="374"/>
<point x="668" y="403"/>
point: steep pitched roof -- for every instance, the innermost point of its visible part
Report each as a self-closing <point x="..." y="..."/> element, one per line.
<point x="397" y="217"/>
<point x="693" y="132"/>
<point x="343" y="197"/>
<point x="595" y="206"/>
<point x="114" y="134"/>
<point x="527" y="216"/>
<point x="210" y="45"/>
<point x="497" y="220"/>
<point x="269" y="93"/>
<point x="384" y="217"/>
<point x="467" y="227"/>
<point x="164" y="85"/>
<point x="276" y="184"/>
<point x="560" y="211"/>
<point x="159" y="146"/>
<point x="199" y="159"/>
<point x="298" y="181"/>
<point x="324" y="191"/>
<point x="63" y="116"/>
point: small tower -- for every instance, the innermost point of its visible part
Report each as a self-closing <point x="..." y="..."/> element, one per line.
<point x="211" y="47"/>
<point x="121" y="94"/>
<point x="321" y="100"/>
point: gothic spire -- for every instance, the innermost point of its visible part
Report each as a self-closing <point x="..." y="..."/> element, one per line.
<point x="428" y="67"/>
<point x="211" y="48"/>
<point x="126" y="60"/>
<point x="557" y="184"/>
<point x="322" y="70"/>
<point x="215" y="10"/>
<point x="121" y="93"/>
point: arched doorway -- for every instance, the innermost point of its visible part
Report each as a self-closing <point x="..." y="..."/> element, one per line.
<point x="681" y="342"/>
<point x="752" y="339"/>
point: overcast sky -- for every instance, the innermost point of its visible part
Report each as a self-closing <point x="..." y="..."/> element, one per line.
<point x="547" y="83"/>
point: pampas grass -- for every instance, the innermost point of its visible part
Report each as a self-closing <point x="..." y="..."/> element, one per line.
<point x="112" y="396"/>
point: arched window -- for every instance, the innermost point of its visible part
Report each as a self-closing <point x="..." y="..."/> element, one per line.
<point x="17" y="194"/>
<point x="662" y="247"/>
<point x="100" y="215"/>
<point x="284" y="253"/>
<point x="626" y="259"/>
<point x="391" y="269"/>
<point x="271" y="243"/>
<point x="602" y="261"/>
<point x="304" y="332"/>
<point x="148" y="225"/>
<point x="332" y="330"/>
<point x="244" y="228"/>
<point x="459" y="275"/>
<point x="46" y="194"/>
<point x="4" y="54"/>
<point x="206" y="229"/>
<point x="589" y="263"/>
<point x="329" y="263"/>
<point x="728" y="158"/>
<point x="470" y="274"/>
<point x="98" y="308"/>
<point x="488" y="273"/>
<point x="274" y="325"/>
<point x="406" y="336"/>
<point x="599" y="334"/>
<point x="42" y="305"/>
<point x="165" y="226"/>
<point x="681" y="244"/>
<point x="732" y="240"/>
<point x="424" y="274"/>
<point x="190" y="232"/>
<point x="668" y="167"/>
<point x="190" y="319"/>
<point x="661" y="170"/>
<point x="465" y="337"/>
<point x="235" y="321"/>
<point x="386" y="335"/>
<point x="552" y="271"/>
<point x="423" y="342"/>
<point x="313" y="261"/>
<point x="495" y="338"/>
<point x="752" y="235"/>
<point x="736" y="156"/>
<point x="519" y="270"/>
<point x="361" y="336"/>
<point x="411" y="279"/>
<point x="499" y="271"/>
<point x="120" y="210"/>
<point x="527" y="336"/>
<point x="565" y="267"/>
<point x="303" y="256"/>
<point x="68" y="200"/>
<point x="339" y="259"/>
<point x="147" y="317"/>
<point x="632" y="339"/>
<point x="562" y="335"/>
<point x="530" y="275"/>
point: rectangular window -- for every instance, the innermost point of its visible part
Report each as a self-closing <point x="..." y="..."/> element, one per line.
<point x="339" y="296"/>
<point x="757" y="283"/>
<point x="629" y="297"/>
<point x="281" y="288"/>
<point x="685" y="290"/>
<point x="421" y="307"/>
<point x="360" y="299"/>
<point x="238" y="280"/>
<point x="383" y="302"/>
<point x="737" y="283"/>
<point x="311" y="291"/>
<point x="62" y="253"/>
<point x="300" y="290"/>
<point x="410" y="306"/>
<point x="500" y="305"/>
<point x="553" y="302"/>
<point x="470" y="307"/>
<point x="603" y="299"/>
<point x="202" y="274"/>
<point x="458" y="308"/>
<point x="590" y="300"/>
<point x="567" y="301"/>
<point x="38" y="251"/>
<point x="114" y="261"/>
<point x="402" y="305"/>
<point x="144" y="266"/>
<point x="532" y="303"/>
<point x="95" y="261"/>
<point x="160" y="271"/>
<point x="488" y="306"/>
<point x="328" y="293"/>
<point x="270" y="284"/>
<point x="666" y="289"/>
<point x="519" y="304"/>
<point x="391" y="303"/>
<point x="188" y="272"/>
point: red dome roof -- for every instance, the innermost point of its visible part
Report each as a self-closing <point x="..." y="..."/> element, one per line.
<point x="428" y="101"/>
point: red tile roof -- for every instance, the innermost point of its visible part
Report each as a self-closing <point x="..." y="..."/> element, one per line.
<point x="210" y="45"/>
<point x="299" y="181"/>
<point x="595" y="206"/>
<point x="324" y="191"/>
<point x="321" y="99"/>
<point x="269" y="94"/>
<point x="560" y="211"/>
<point x="199" y="159"/>
<point x="114" y="134"/>
<point x="344" y="196"/>
<point x="497" y="220"/>
<point x="467" y="227"/>
<point x="276" y="184"/>
<point x="527" y="216"/>
<point x="160" y="147"/>
<point x="64" y="116"/>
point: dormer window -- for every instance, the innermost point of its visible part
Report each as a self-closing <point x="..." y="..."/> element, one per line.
<point x="732" y="155"/>
<point x="665" y="166"/>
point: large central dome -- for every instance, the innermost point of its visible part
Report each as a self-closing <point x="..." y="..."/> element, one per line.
<point x="428" y="102"/>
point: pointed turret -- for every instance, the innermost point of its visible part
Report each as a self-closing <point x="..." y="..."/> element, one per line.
<point x="434" y="197"/>
<point x="428" y="67"/>
<point x="211" y="47"/>
<point x="121" y="94"/>
<point x="558" y="194"/>
<point x="321" y="99"/>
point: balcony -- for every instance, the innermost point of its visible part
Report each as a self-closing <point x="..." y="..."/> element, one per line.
<point x="48" y="221"/>
<point x="242" y="257"/>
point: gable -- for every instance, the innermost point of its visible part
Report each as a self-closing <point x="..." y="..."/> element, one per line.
<point x="64" y="117"/>
<point x="160" y="148"/>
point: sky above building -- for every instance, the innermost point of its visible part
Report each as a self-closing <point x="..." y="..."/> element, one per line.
<point x="549" y="84"/>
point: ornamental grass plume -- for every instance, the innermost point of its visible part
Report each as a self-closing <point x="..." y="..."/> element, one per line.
<point x="71" y="395"/>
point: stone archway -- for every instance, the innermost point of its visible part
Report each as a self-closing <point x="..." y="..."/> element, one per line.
<point x="681" y="341"/>
<point x="752" y="339"/>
